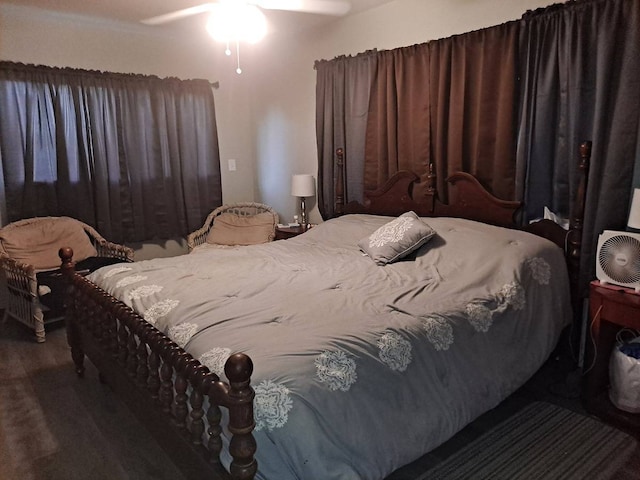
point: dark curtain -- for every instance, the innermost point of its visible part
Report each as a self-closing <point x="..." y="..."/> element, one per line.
<point x="473" y="107"/>
<point x="342" y="103"/>
<point x="450" y="103"/>
<point x="134" y="156"/>
<point x="580" y="69"/>
<point x="397" y="136"/>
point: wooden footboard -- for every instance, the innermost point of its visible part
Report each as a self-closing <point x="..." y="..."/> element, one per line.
<point x="176" y="397"/>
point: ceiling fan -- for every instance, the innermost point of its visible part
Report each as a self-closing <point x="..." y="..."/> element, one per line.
<point x="323" y="7"/>
<point x="232" y="21"/>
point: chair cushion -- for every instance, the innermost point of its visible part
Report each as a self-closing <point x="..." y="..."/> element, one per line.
<point x="37" y="243"/>
<point x="231" y="229"/>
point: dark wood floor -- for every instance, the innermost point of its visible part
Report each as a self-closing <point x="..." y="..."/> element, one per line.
<point x="49" y="428"/>
<point x="55" y="426"/>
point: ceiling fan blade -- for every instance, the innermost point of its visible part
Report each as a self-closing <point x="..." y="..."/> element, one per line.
<point x="324" y="7"/>
<point x="178" y="14"/>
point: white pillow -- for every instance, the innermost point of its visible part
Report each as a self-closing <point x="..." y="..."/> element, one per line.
<point x="396" y="239"/>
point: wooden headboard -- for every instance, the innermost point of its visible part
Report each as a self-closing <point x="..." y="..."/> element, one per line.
<point x="404" y="192"/>
<point x="469" y="199"/>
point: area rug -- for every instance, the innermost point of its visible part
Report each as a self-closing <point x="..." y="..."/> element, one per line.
<point x="542" y="441"/>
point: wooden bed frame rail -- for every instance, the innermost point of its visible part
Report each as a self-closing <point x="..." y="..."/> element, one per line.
<point x="173" y="392"/>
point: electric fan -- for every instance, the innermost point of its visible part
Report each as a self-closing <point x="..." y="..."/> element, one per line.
<point x="618" y="259"/>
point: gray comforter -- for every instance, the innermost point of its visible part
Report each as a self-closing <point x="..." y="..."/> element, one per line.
<point x="359" y="368"/>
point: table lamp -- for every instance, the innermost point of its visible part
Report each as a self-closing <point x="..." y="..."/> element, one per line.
<point x="303" y="186"/>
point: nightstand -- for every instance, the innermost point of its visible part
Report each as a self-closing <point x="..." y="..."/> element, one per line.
<point x="610" y="309"/>
<point x="282" y="233"/>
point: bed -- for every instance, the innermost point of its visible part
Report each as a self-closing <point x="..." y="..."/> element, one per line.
<point x="329" y="363"/>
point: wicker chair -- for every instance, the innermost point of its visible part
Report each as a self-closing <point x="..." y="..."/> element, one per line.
<point x="24" y="301"/>
<point x="199" y="237"/>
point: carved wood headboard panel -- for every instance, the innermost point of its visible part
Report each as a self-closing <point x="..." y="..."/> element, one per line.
<point x="404" y="191"/>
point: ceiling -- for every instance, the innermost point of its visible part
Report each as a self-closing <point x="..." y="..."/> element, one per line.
<point x="132" y="11"/>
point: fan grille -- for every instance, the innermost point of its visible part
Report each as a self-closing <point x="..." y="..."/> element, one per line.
<point x="620" y="259"/>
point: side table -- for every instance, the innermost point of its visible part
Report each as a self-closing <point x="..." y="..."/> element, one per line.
<point x="610" y="309"/>
<point x="282" y="233"/>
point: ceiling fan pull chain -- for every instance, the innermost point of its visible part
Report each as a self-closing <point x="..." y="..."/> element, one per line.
<point x="227" y="52"/>
<point x="238" y="70"/>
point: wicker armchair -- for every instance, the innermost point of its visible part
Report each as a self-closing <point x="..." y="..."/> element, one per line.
<point x="247" y="209"/>
<point x="26" y="242"/>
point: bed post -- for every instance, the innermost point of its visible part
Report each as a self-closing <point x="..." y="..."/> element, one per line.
<point x="576" y="221"/>
<point x="339" y="200"/>
<point x="574" y="236"/>
<point x="68" y="269"/>
<point x="238" y="398"/>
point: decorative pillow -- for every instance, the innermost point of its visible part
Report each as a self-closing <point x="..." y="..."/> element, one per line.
<point x="232" y="229"/>
<point x="37" y="243"/>
<point x="396" y="239"/>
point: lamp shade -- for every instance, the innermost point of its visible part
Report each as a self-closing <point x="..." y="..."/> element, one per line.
<point x="634" y="213"/>
<point x="303" y="186"/>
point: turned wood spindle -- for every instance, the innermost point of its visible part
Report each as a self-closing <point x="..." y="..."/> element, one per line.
<point x="180" y="409"/>
<point x="214" y="416"/>
<point x="197" y="400"/>
<point x="122" y="337"/>
<point x="142" y="373"/>
<point x="153" y="385"/>
<point x="132" y="348"/>
<point x="165" y="395"/>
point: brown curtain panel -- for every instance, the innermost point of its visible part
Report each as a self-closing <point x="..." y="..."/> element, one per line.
<point x="473" y="107"/>
<point x="398" y="136"/>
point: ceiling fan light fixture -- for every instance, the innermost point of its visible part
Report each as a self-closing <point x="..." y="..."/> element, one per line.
<point x="235" y="22"/>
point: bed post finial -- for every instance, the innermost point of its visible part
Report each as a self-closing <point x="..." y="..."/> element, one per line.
<point x="339" y="205"/>
<point x="68" y="265"/>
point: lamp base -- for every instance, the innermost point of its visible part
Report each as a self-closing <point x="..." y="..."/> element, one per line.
<point x="303" y="213"/>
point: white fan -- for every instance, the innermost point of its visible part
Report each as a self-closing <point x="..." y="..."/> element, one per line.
<point x="323" y="7"/>
<point x="618" y="259"/>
